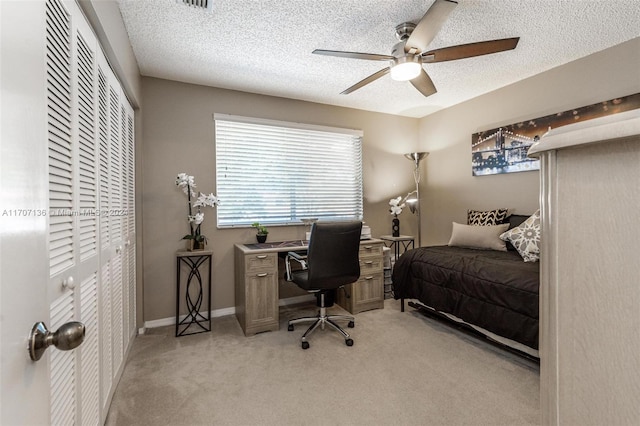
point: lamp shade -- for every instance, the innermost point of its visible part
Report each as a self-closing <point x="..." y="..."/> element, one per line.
<point x="412" y="202"/>
<point x="416" y="156"/>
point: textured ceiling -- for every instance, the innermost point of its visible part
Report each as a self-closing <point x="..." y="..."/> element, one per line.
<point x="264" y="46"/>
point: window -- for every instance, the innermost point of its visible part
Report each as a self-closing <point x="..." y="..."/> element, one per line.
<point x="276" y="172"/>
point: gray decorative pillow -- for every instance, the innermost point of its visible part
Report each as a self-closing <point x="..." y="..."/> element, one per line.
<point x="526" y="238"/>
<point x="489" y="217"/>
<point x="515" y="220"/>
<point x="481" y="237"/>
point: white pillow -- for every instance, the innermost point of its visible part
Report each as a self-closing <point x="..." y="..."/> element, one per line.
<point x="482" y="237"/>
<point x="526" y="238"/>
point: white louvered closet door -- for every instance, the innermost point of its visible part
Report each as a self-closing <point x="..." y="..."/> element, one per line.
<point x="115" y="222"/>
<point x="63" y="201"/>
<point x="129" y="234"/>
<point x="106" y="252"/>
<point x="113" y="133"/>
<point x="88" y="137"/>
<point x="87" y="200"/>
<point x="115" y="182"/>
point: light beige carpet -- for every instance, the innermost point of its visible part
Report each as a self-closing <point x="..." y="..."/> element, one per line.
<point x="404" y="369"/>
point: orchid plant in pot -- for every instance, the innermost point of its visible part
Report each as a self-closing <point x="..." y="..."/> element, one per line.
<point x="397" y="204"/>
<point x="195" y="202"/>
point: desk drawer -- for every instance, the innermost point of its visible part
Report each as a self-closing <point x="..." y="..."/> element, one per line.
<point x="370" y="249"/>
<point x="370" y="265"/>
<point x="261" y="262"/>
<point x="365" y="294"/>
<point x="369" y="290"/>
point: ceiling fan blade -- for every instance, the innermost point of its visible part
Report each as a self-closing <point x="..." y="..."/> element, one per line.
<point x="353" y="55"/>
<point x="371" y="78"/>
<point x="429" y="25"/>
<point x="424" y="84"/>
<point x="470" y="50"/>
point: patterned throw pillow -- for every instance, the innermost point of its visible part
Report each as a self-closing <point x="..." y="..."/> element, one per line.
<point x="490" y="217"/>
<point x="526" y="238"/>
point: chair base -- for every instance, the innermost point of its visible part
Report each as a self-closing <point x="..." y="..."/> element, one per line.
<point x="321" y="320"/>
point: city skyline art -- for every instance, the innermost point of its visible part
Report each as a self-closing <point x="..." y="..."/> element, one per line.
<point x="504" y="149"/>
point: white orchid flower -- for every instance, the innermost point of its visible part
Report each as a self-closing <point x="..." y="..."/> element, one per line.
<point x="185" y="182"/>
<point x="206" y="200"/>
<point x="395" y="207"/>
<point x="198" y="218"/>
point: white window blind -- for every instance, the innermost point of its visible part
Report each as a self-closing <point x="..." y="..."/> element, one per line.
<point x="276" y="172"/>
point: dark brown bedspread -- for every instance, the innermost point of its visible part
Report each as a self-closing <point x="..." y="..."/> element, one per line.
<point x="495" y="290"/>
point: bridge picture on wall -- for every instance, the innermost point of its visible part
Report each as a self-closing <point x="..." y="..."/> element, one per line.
<point x="504" y="149"/>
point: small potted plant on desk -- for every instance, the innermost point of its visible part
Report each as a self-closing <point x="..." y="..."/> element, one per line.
<point x="262" y="232"/>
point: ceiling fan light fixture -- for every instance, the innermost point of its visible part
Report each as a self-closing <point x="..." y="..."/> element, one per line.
<point x="408" y="55"/>
<point x="405" y="69"/>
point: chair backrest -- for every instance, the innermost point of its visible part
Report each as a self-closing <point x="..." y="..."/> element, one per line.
<point x="333" y="254"/>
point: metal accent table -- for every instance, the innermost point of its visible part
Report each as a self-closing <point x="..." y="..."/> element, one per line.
<point x="395" y="243"/>
<point x="194" y="293"/>
<point x="404" y="242"/>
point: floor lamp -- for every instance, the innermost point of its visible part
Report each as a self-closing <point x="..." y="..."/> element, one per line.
<point x="416" y="157"/>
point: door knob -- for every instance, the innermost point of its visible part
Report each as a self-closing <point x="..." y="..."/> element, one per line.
<point x="68" y="336"/>
<point x="68" y="283"/>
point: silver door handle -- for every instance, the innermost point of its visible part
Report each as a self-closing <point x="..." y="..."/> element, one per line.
<point x="68" y="283"/>
<point x="68" y="336"/>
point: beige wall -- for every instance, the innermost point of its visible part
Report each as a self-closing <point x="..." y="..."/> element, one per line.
<point x="178" y="136"/>
<point x="449" y="189"/>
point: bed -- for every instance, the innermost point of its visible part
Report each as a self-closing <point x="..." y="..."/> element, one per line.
<point x="494" y="292"/>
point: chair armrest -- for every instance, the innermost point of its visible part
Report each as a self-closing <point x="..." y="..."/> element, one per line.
<point x="297" y="256"/>
<point x="300" y="258"/>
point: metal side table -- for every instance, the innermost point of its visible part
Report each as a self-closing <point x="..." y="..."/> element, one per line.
<point x="403" y="242"/>
<point x="193" y="264"/>
<point x="398" y="245"/>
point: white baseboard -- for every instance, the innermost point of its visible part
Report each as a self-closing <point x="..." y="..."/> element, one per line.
<point x="222" y="312"/>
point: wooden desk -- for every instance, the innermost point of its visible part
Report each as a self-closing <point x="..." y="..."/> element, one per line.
<point x="256" y="283"/>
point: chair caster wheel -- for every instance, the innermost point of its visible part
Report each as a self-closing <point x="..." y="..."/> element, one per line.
<point x="290" y="327"/>
<point x="349" y="342"/>
<point x="305" y="345"/>
<point x="351" y="324"/>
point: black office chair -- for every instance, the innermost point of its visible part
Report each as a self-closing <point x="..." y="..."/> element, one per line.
<point x="331" y="262"/>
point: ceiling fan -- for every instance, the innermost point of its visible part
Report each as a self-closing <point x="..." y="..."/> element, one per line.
<point x="411" y="52"/>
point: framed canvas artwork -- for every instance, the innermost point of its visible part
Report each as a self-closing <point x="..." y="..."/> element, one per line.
<point x="504" y="149"/>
